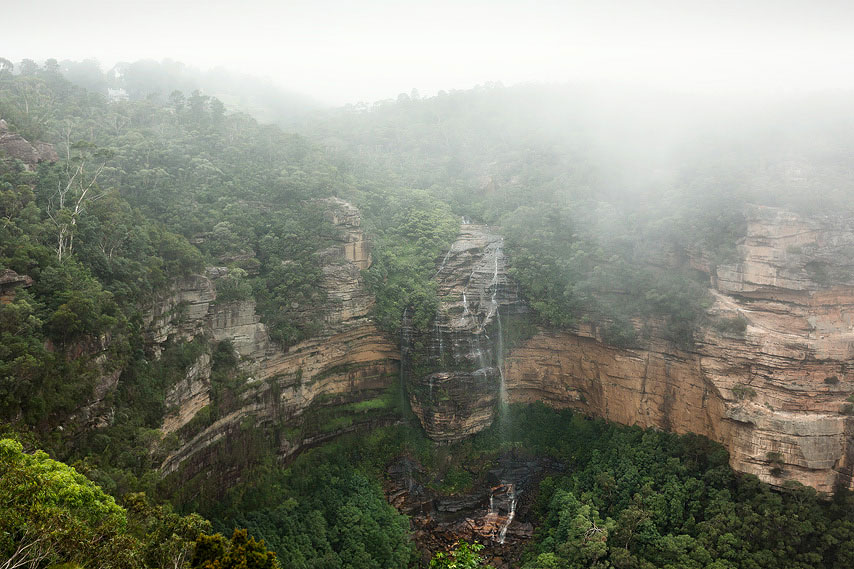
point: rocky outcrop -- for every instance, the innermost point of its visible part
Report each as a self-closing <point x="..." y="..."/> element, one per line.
<point x="769" y="376"/>
<point x="15" y="146"/>
<point x="771" y="371"/>
<point x="348" y="361"/>
<point x="494" y="512"/>
<point x="455" y="385"/>
<point x="9" y="283"/>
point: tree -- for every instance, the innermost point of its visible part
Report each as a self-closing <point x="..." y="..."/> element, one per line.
<point x="50" y="513"/>
<point x="239" y="552"/>
<point x="464" y="556"/>
<point x="28" y="67"/>
<point x="169" y="539"/>
<point x="84" y="164"/>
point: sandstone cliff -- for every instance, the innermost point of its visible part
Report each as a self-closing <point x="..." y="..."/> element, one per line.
<point x="774" y="394"/>
<point x="15" y="146"/>
<point x="771" y="384"/>
<point x="349" y="361"/>
<point x="455" y="385"/>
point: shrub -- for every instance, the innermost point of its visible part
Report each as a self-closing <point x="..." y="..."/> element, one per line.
<point x="742" y="392"/>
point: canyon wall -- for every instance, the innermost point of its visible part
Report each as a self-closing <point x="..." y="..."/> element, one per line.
<point x="455" y="382"/>
<point x="769" y="375"/>
<point x="772" y="386"/>
<point x="349" y="361"/>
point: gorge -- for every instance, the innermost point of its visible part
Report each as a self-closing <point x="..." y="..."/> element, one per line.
<point x="480" y="322"/>
<point x="773" y="393"/>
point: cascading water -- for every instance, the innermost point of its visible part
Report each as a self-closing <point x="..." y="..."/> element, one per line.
<point x="495" y="308"/>
<point x="464" y="356"/>
<point x="405" y="341"/>
<point x="466" y="311"/>
<point x="444" y="260"/>
<point x="502" y="534"/>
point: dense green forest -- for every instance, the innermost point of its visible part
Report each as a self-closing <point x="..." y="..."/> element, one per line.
<point x="161" y="186"/>
<point x="594" y="190"/>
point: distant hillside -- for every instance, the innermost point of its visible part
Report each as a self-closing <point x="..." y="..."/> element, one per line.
<point x="149" y="79"/>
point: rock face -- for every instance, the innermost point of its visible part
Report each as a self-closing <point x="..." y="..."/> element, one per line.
<point x="769" y="376"/>
<point x="349" y="361"/>
<point x="774" y="394"/>
<point x="9" y="282"/>
<point x="494" y="512"/>
<point x="455" y="384"/>
<point x="15" y="146"/>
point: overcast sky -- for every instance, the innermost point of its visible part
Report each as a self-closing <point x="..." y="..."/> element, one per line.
<point x="349" y="51"/>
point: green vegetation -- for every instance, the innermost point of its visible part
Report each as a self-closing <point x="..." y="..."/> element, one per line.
<point x="239" y="552"/>
<point x="51" y="514"/>
<point x="412" y="230"/>
<point x="145" y="193"/>
<point x="463" y="556"/>
<point x="155" y="190"/>
<point x="742" y="392"/>
<point x="327" y="508"/>
<point x="635" y="498"/>
<point x="735" y="326"/>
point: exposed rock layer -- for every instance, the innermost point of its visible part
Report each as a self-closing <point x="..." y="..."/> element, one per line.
<point x="455" y="383"/>
<point x="775" y="395"/>
<point x="15" y="146"/>
<point x="494" y="512"/>
<point x="350" y="360"/>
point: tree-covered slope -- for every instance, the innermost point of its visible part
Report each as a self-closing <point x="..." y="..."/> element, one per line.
<point x="602" y="214"/>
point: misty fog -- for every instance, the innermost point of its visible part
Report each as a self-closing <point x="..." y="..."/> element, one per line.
<point x="390" y="284"/>
<point x="342" y="52"/>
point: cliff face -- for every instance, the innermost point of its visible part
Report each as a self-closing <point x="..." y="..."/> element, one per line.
<point x="15" y="146"/>
<point x="774" y="394"/>
<point x="455" y="384"/>
<point x="768" y="378"/>
<point x="349" y="361"/>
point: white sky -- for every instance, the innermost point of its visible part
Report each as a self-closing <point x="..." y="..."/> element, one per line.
<point x="365" y="50"/>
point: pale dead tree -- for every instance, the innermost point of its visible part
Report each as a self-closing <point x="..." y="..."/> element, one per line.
<point x="32" y="548"/>
<point x="79" y="189"/>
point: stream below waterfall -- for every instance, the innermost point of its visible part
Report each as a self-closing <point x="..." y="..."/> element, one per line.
<point x="494" y="511"/>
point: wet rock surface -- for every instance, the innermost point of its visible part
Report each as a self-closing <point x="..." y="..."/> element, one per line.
<point x="455" y="389"/>
<point x="16" y="147"/>
<point x="495" y="512"/>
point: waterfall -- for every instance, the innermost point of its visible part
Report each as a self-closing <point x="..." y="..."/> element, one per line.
<point x="499" y="362"/>
<point x="466" y="311"/>
<point x="441" y="342"/>
<point x="404" y="354"/>
<point x="495" y="308"/>
<point x="508" y="489"/>
<point x="444" y="260"/>
<point x="502" y="534"/>
<point x="477" y="349"/>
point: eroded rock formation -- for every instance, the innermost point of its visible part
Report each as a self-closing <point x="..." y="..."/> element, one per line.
<point x="349" y="361"/>
<point x="15" y="146"/>
<point x="769" y="376"/>
<point x="494" y="512"/>
<point x="9" y="282"/>
<point x="455" y="385"/>
<point x="774" y="395"/>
